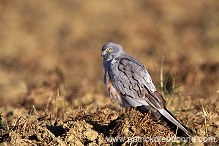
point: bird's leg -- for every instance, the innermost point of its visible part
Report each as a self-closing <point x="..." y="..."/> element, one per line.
<point x="128" y="109"/>
<point x="123" y="110"/>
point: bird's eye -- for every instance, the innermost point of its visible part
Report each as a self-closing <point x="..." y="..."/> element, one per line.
<point x="109" y="49"/>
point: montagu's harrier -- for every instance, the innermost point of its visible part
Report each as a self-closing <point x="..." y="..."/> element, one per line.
<point x="130" y="85"/>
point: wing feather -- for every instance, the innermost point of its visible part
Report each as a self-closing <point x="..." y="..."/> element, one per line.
<point x="131" y="79"/>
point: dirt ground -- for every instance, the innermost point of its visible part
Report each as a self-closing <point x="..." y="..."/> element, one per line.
<point x="51" y="74"/>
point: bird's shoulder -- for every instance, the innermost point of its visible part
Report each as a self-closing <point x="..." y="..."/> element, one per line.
<point x="126" y="68"/>
<point x="128" y="60"/>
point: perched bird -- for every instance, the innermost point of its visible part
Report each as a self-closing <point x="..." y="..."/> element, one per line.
<point x="130" y="85"/>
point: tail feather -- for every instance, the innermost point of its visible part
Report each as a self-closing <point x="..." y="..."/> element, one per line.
<point x="176" y="123"/>
<point x="167" y="119"/>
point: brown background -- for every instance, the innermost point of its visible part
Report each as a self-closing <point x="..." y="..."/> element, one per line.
<point x="51" y="45"/>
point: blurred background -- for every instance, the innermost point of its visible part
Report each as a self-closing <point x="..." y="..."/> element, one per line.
<point x="50" y="45"/>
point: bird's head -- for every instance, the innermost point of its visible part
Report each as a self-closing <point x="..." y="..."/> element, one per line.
<point x="111" y="50"/>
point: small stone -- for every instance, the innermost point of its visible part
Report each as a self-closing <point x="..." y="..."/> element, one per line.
<point x="91" y="135"/>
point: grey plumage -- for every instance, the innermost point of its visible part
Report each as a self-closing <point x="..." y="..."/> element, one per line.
<point x="131" y="86"/>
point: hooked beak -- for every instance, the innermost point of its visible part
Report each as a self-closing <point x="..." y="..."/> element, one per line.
<point x="104" y="53"/>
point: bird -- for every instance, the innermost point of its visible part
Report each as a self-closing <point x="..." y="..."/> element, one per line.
<point x="130" y="85"/>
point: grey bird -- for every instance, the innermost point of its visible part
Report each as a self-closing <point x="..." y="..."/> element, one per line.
<point x="130" y="85"/>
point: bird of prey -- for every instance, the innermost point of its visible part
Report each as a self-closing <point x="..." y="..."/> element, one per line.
<point x="130" y="85"/>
